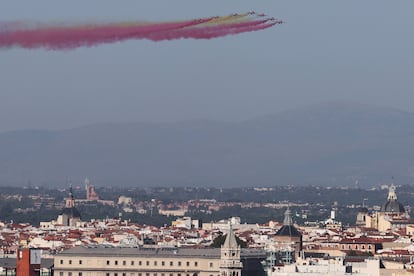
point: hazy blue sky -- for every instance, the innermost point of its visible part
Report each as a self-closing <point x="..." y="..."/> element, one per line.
<point x="327" y="50"/>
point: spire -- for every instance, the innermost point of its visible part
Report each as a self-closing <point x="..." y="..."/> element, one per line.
<point x="87" y="183"/>
<point x="70" y="201"/>
<point x="288" y="217"/>
<point x="230" y="241"/>
<point x="70" y="191"/>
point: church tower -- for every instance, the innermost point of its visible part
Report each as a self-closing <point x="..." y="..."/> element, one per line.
<point x="70" y="215"/>
<point x="230" y="264"/>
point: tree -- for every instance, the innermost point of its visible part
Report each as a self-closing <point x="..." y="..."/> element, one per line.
<point x="219" y="241"/>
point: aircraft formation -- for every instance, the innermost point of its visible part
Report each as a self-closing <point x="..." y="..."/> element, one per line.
<point x="32" y="35"/>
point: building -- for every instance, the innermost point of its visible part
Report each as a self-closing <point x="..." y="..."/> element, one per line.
<point x="392" y="215"/>
<point x="328" y="267"/>
<point x="70" y="216"/>
<point x="91" y="194"/>
<point x="361" y="219"/>
<point x="102" y="260"/>
<point x="288" y="236"/>
<point x="365" y="245"/>
<point x="230" y="264"/>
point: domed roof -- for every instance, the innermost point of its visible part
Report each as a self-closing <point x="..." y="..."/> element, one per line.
<point x="288" y="229"/>
<point x="392" y="205"/>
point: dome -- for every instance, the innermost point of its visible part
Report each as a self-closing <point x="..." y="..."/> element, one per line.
<point x="393" y="206"/>
<point x="289" y="231"/>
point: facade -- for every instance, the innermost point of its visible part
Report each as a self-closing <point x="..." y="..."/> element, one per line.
<point x="361" y="219"/>
<point x="118" y="261"/>
<point x="361" y="244"/>
<point x="28" y="262"/>
<point x="328" y="267"/>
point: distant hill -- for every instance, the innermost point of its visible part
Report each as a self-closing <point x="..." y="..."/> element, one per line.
<point x="330" y="144"/>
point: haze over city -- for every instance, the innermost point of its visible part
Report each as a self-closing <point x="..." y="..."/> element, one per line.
<point x="354" y="56"/>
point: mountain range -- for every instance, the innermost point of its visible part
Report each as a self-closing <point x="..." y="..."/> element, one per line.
<point x="327" y="144"/>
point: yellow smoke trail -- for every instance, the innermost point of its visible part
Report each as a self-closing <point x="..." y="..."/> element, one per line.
<point x="227" y="19"/>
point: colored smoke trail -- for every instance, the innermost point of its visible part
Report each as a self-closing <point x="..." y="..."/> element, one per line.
<point x="71" y="36"/>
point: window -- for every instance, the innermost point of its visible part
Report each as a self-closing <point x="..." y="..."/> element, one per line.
<point x="69" y="273"/>
<point x="61" y="261"/>
<point x="123" y="262"/>
<point x="80" y="261"/>
<point x="196" y="263"/>
<point x="363" y="246"/>
<point x="188" y="263"/>
<point x="179" y="264"/>
<point x="155" y="263"/>
<point x="171" y="263"/>
<point x="124" y="274"/>
<point x="139" y="263"/>
<point x="147" y="263"/>
<point x="107" y="274"/>
<point x="107" y="263"/>
<point x="369" y="247"/>
<point x="211" y="264"/>
<point x="80" y="274"/>
<point x="132" y="263"/>
<point x="116" y="263"/>
<point x="70" y="261"/>
<point x="60" y="273"/>
<point x="115" y="274"/>
<point x="162" y="263"/>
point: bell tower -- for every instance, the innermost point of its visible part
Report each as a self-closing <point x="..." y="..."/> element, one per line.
<point x="230" y="264"/>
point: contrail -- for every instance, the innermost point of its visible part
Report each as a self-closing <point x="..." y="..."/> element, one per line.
<point x="70" y="36"/>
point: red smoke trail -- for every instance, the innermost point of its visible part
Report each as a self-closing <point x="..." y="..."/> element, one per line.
<point x="205" y="32"/>
<point x="70" y="37"/>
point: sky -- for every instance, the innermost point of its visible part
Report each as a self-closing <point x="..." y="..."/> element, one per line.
<point x="359" y="51"/>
